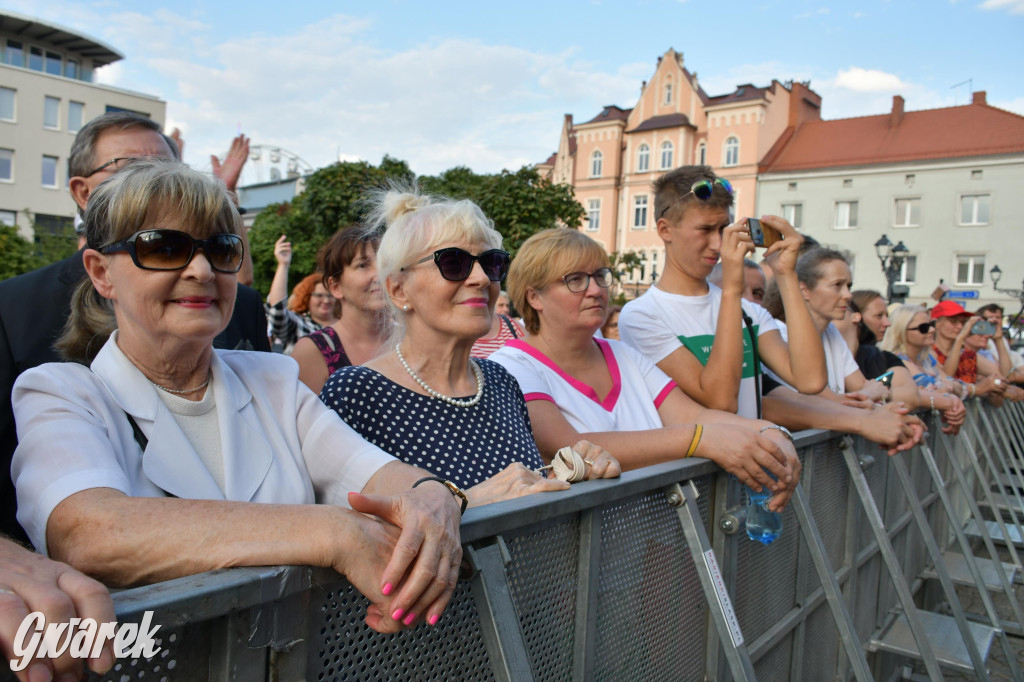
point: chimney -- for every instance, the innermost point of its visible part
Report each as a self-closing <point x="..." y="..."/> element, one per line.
<point x="979" y="98"/>
<point x="897" y="111"/>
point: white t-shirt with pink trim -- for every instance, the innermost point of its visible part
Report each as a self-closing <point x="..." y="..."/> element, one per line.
<point x="638" y="387"/>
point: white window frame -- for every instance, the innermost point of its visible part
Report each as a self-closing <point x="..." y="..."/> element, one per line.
<point x="640" y="210"/>
<point x="908" y="213"/>
<point x="796" y="218"/>
<point x="643" y="158"/>
<point x="731" y="151"/>
<point x="56" y="171"/>
<point x="845" y="215"/>
<point x="81" y="118"/>
<point x="668" y="93"/>
<point x="974" y="212"/>
<point x="14" y="105"/>
<point x="975" y="271"/>
<point x="702" y="154"/>
<point x="13" y="218"/>
<point x="668" y="152"/>
<point x="902" y="278"/>
<point x="11" y="152"/>
<point x="593" y="215"/>
<point x="596" y="163"/>
<point x="47" y="100"/>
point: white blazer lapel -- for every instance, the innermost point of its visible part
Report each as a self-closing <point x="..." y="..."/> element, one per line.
<point x="247" y="454"/>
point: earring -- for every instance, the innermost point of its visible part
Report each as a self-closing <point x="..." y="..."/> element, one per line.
<point x="405" y="307"/>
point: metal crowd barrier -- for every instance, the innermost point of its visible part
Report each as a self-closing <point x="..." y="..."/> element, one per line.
<point x="647" y="577"/>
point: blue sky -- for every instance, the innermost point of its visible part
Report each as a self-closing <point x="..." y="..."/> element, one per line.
<point x="486" y="84"/>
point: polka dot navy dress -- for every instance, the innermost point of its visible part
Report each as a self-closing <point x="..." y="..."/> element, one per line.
<point x="465" y="445"/>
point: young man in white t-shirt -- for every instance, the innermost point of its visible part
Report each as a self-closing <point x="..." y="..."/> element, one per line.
<point x="695" y="331"/>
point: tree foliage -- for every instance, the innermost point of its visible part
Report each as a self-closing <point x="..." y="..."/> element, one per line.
<point x="520" y="203"/>
<point x="19" y="255"/>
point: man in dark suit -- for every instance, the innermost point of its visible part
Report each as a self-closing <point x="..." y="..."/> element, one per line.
<point x="35" y="306"/>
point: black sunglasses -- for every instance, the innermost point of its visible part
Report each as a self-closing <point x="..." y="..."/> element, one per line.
<point x="702" y="189"/>
<point x="455" y="264"/>
<point x="162" y="249"/>
<point x="923" y="328"/>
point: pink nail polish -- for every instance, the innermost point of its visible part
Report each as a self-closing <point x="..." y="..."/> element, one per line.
<point x="387" y="589"/>
<point x="397" y="615"/>
<point x="409" y="619"/>
<point x="433" y="619"/>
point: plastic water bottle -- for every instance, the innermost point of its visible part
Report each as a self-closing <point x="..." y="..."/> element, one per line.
<point x="763" y="524"/>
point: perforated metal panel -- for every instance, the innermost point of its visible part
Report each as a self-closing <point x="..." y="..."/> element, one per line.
<point x="766" y="578"/>
<point x="341" y="647"/>
<point x="184" y="655"/>
<point x="651" y="610"/>
<point x="774" y="665"/>
<point x="543" y="579"/>
<point x="821" y="650"/>
<point x="829" y="493"/>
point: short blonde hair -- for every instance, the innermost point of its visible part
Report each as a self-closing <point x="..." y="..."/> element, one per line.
<point x="544" y="258"/>
<point x="414" y="223"/>
<point x="895" y="339"/>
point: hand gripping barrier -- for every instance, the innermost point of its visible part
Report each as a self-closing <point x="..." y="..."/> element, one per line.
<point x="644" y="578"/>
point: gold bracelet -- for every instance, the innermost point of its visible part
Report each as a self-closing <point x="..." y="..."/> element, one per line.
<point x="697" y="432"/>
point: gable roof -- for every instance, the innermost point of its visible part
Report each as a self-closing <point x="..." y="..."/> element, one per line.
<point x="610" y="113"/>
<point x="666" y="121"/>
<point x="972" y="130"/>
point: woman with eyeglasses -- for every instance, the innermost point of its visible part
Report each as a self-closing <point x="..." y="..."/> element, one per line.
<point x="910" y="336"/>
<point x="426" y="401"/>
<point x="578" y="386"/>
<point x="363" y="328"/>
<point x="310" y="308"/>
<point x="159" y="457"/>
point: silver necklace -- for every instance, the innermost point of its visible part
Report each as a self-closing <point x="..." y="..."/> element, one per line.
<point x="477" y="372"/>
<point x="183" y="391"/>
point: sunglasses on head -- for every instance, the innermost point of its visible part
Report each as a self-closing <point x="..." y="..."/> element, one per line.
<point x="162" y="249"/>
<point x="703" y="189"/>
<point x="455" y="264"/>
<point x="923" y="328"/>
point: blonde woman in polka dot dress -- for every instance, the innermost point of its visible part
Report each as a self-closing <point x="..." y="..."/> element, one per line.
<point x="425" y="400"/>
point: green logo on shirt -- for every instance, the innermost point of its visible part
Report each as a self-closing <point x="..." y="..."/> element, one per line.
<point x="700" y="346"/>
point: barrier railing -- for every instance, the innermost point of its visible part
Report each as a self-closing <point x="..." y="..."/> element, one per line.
<point x="615" y="580"/>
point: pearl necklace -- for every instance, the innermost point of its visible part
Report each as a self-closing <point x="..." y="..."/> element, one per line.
<point x="183" y="391"/>
<point x="477" y="372"/>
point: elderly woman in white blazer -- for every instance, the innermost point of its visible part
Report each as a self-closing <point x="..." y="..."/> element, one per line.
<point x="159" y="457"/>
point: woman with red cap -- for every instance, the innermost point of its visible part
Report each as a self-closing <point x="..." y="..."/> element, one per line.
<point x="953" y="325"/>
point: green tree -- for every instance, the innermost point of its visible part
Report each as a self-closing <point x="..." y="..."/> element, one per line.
<point x="17" y="254"/>
<point x="623" y="264"/>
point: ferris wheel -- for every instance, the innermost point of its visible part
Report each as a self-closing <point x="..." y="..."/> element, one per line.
<point x="270" y="163"/>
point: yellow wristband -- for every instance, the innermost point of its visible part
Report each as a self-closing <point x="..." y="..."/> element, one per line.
<point x="697" y="433"/>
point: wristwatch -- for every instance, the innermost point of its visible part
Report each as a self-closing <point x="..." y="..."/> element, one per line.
<point x="455" y="490"/>
<point x="783" y="429"/>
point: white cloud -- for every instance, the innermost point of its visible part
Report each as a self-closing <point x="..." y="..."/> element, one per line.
<point x="1011" y="6"/>
<point x="868" y="80"/>
<point x="1014" y="105"/>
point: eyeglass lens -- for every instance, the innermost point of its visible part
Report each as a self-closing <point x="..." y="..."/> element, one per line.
<point x="923" y="328"/>
<point x="578" y="282"/>
<point x="455" y="264"/>
<point x="173" y="250"/>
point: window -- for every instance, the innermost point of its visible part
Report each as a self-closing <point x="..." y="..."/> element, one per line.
<point x="846" y="215"/>
<point x="908" y="273"/>
<point x="702" y="154"/>
<point x="49" y="171"/>
<point x="848" y="182"/>
<point x="7" y="100"/>
<point x="909" y="179"/>
<point x="732" y="151"/>
<point x="51" y="113"/>
<point x="668" y="93"/>
<point x="974" y="209"/>
<point x="970" y="270"/>
<point x="791" y="187"/>
<point x="75" y="113"/>
<point x="595" y="164"/>
<point x="14" y="54"/>
<point x="53" y="63"/>
<point x="593" y="215"/>
<point x="640" y="212"/>
<point x="9" y="218"/>
<point x="643" y="159"/>
<point x="908" y="212"/>
<point x="71" y="68"/>
<point x="7" y="165"/>
<point x="666" y="154"/>
<point x="976" y="175"/>
<point x="56" y="225"/>
<point x="794" y="214"/>
<point x="35" y="59"/>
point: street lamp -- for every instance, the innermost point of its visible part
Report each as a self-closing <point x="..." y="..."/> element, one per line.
<point x="996" y="274"/>
<point x="892" y="259"/>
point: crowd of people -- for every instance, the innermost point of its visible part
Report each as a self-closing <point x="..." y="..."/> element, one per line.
<point x="153" y="441"/>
